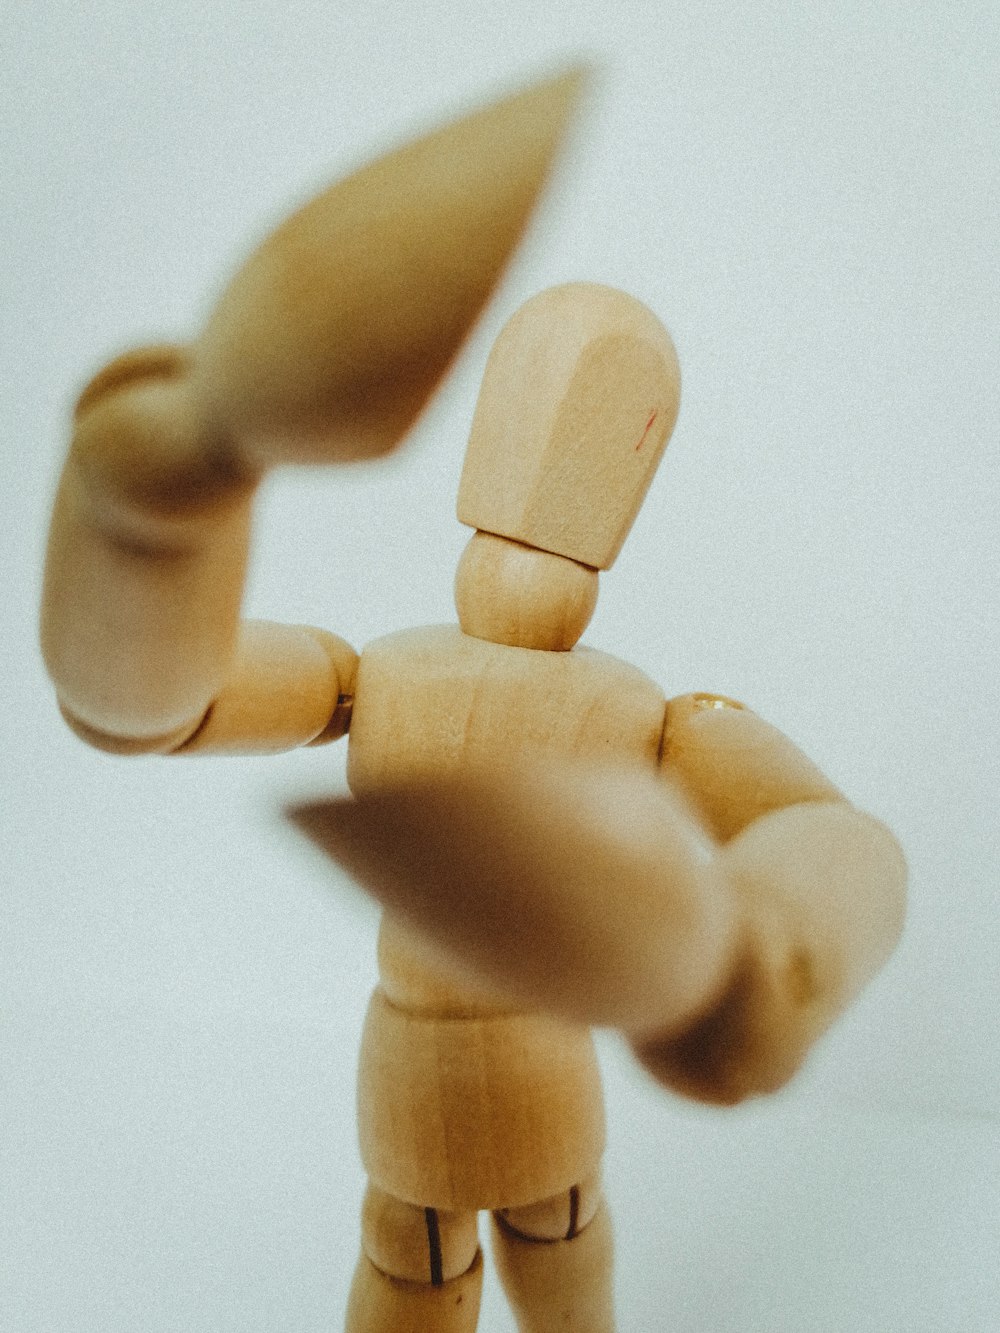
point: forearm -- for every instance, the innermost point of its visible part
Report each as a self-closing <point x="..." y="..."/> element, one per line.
<point x="819" y="889"/>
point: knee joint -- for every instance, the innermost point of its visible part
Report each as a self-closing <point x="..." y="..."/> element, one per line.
<point x="561" y="1217"/>
<point x="429" y="1245"/>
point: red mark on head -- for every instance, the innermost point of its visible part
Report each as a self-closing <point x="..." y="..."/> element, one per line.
<point x="652" y="417"/>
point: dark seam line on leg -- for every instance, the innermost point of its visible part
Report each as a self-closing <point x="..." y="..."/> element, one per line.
<point x="511" y="1230"/>
<point x="574" y="1212"/>
<point x="434" y="1244"/>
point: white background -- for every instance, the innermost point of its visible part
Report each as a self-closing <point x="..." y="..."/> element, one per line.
<point x="808" y="196"/>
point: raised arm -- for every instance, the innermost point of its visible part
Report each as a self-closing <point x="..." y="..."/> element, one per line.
<point x="324" y="347"/>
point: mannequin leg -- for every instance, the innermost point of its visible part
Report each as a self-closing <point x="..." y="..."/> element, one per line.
<point x="420" y="1271"/>
<point x="554" y="1261"/>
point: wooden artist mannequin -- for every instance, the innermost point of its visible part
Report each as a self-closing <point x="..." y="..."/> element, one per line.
<point x="557" y="844"/>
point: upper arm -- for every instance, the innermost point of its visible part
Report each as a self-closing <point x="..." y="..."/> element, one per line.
<point x="288" y="685"/>
<point x="733" y="766"/>
<point x="144" y="576"/>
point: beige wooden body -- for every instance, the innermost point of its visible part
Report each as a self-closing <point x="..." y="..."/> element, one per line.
<point x="433" y="702"/>
<point x="464" y="1103"/>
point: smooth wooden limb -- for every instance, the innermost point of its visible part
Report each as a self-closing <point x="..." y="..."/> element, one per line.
<point x="145" y="565"/>
<point x="288" y="685"/>
<point x="140" y="632"/>
<point x="414" y="1243"/>
<point x="733" y="766"/>
<point x="144" y="576"/>
<point x="590" y="893"/>
<point x="412" y="978"/>
<point x="821" y="890"/>
<point x="558" y="1285"/>
<point x="561" y="1217"/>
<point x="382" y="1304"/>
<point x="331" y="338"/>
<point x="820" y="893"/>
